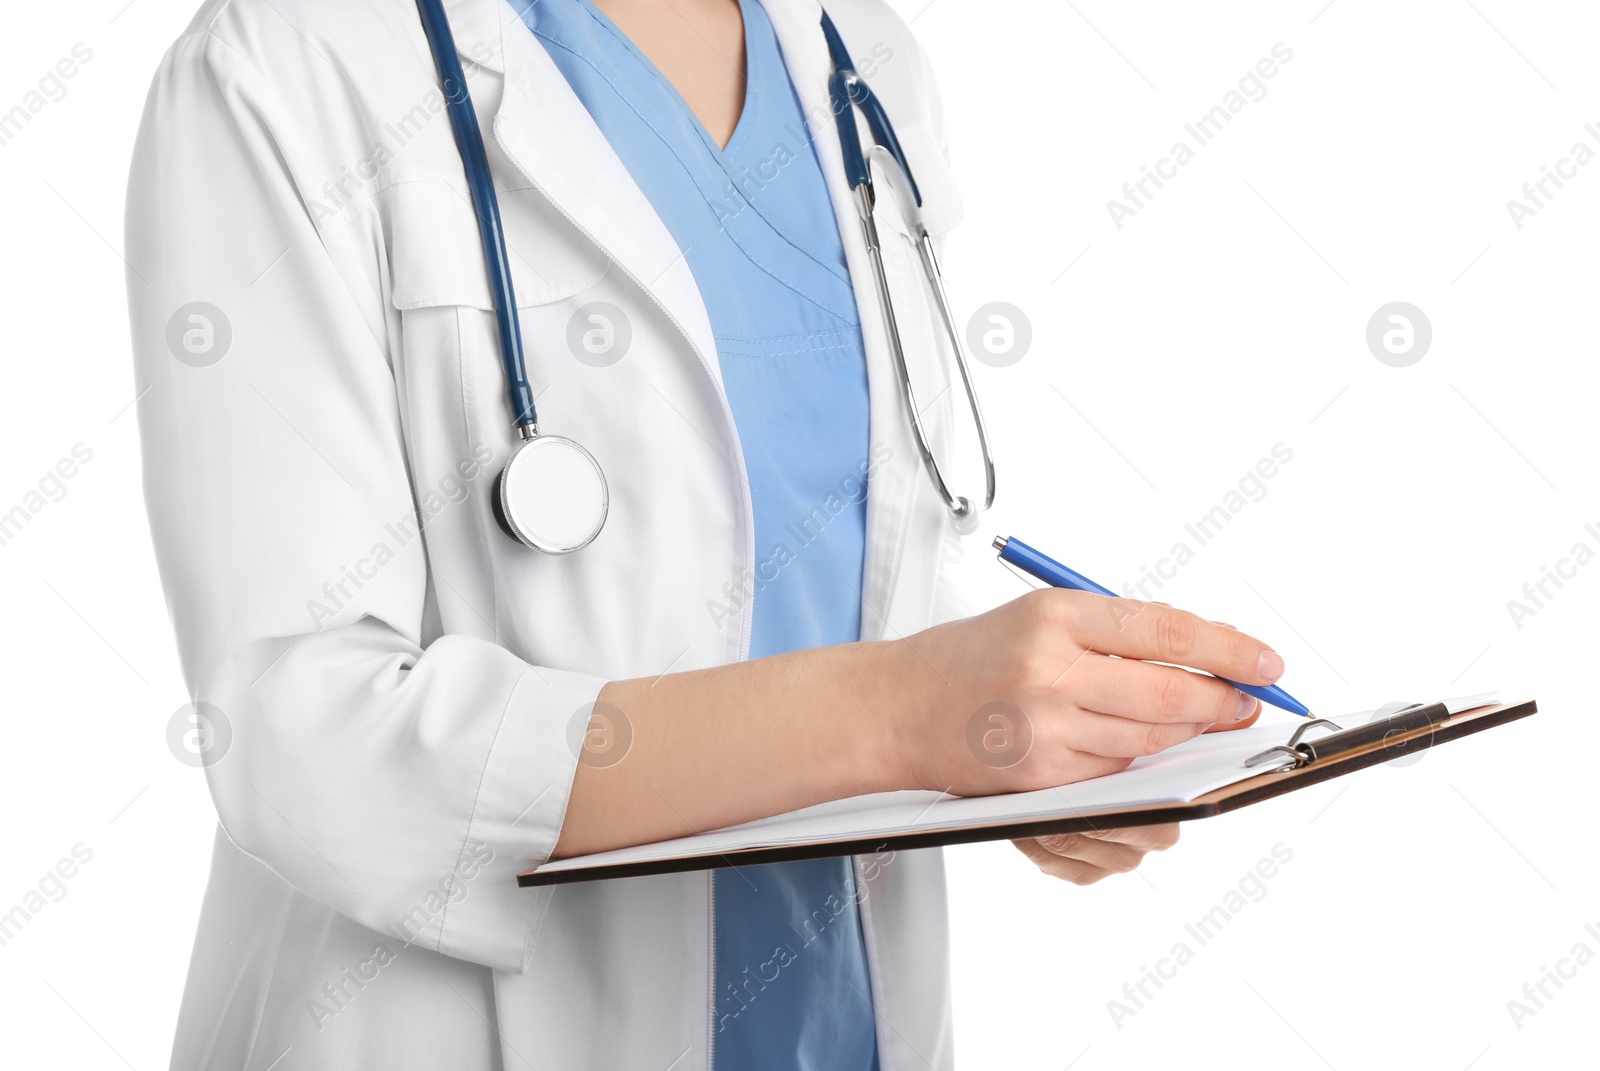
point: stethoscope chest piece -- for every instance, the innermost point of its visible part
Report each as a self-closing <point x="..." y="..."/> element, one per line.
<point x="551" y="495"/>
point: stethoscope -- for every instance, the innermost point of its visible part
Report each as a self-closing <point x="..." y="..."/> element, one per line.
<point x="552" y="495"/>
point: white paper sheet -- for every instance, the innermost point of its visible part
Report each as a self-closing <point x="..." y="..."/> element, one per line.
<point x="1177" y="775"/>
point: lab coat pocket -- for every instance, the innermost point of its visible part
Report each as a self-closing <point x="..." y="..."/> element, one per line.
<point x="437" y="255"/>
<point x="439" y="284"/>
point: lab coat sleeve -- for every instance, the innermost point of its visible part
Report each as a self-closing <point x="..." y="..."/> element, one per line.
<point x="403" y="782"/>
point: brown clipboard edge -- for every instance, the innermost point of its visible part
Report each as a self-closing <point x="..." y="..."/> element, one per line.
<point x="1231" y="798"/>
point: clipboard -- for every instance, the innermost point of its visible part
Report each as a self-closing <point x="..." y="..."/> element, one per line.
<point x="1317" y="751"/>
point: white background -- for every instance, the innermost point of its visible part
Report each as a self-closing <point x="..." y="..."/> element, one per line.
<point x="1168" y="357"/>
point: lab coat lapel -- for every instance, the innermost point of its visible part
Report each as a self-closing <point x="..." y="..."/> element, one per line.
<point x="475" y="24"/>
<point x="549" y="136"/>
<point x="798" y="25"/>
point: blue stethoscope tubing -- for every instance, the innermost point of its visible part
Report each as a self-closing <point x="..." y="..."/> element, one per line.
<point x="551" y="495"/>
<point x="497" y="257"/>
<point x="517" y="495"/>
<point x="846" y="87"/>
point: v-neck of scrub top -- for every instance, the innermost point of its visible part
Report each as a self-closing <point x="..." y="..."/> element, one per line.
<point x="756" y="225"/>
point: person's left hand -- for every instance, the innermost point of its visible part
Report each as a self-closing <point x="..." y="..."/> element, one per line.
<point x="1085" y="858"/>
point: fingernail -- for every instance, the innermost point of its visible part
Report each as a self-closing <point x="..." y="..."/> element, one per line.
<point x="1247" y="707"/>
<point x="1269" y="665"/>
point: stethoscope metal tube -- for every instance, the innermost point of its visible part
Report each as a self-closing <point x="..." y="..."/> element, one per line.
<point x="959" y="505"/>
<point x="847" y="91"/>
<point x="930" y="267"/>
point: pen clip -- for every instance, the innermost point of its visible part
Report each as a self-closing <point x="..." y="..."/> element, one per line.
<point x="1032" y="582"/>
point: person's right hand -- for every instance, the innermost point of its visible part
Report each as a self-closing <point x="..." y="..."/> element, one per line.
<point x="1059" y="686"/>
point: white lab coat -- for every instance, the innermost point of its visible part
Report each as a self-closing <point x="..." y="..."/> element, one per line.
<point x="401" y="706"/>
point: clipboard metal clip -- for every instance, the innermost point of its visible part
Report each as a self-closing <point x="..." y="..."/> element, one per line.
<point x="1393" y="731"/>
<point x="1291" y="750"/>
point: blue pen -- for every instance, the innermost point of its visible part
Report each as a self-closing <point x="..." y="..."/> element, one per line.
<point x="1016" y="552"/>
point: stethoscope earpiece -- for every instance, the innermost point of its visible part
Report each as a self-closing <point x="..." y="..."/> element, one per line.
<point x="965" y="516"/>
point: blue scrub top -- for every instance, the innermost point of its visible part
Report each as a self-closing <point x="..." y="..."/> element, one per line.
<point x="757" y="228"/>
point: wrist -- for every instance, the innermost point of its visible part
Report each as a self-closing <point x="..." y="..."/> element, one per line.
<point x="889" y="703"/>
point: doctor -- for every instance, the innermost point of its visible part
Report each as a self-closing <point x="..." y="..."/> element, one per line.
<point x="409" y="707"/>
